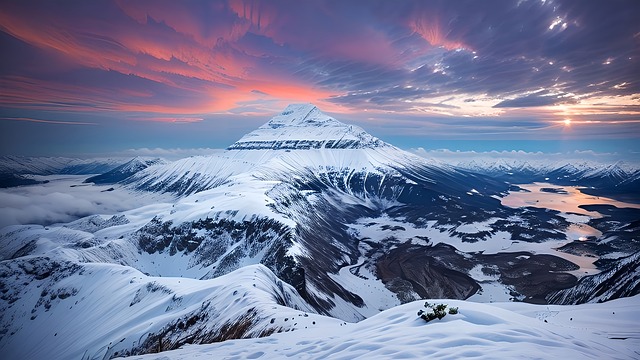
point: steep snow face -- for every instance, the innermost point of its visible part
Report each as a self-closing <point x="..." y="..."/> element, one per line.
<point x="197" y="173"/>
<point x="304" y="126"/>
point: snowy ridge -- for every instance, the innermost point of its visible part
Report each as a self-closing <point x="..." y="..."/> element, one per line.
<point x="196" y="173"/>
<point x="125" y="170"/>
<point x="621" y="179"/>
<point x="138" y="163"/>
<point x="619" y="171"/>
<point x="56" y="165"/>
<point x="131" y="313"/>
<point x="32" y="165"/>
<point x="568" y="168"/>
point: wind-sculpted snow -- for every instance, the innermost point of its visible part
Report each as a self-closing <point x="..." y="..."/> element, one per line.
<point x="478" y="331"/>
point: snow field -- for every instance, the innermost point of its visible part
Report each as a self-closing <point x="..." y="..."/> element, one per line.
<point x="479" y="331"/>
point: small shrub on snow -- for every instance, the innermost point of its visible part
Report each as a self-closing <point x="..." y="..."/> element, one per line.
<point x="435" y="311"/>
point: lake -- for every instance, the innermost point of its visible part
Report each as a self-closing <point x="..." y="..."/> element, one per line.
<point x="567" y="200"/>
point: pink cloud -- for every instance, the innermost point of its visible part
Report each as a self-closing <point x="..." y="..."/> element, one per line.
<point x="165" y="44"/>
<point x="430" y="29"/>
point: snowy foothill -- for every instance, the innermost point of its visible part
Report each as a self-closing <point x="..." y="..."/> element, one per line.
<point x="101" y="310"/>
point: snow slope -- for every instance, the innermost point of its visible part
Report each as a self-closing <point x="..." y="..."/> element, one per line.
<point x="479" y="331"/>
<point x="96" y="311"/>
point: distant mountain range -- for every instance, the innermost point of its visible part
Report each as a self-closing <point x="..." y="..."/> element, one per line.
<point x="620" y="179"/>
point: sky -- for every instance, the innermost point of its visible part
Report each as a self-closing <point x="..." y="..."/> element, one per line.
<point x="535" y="75"/>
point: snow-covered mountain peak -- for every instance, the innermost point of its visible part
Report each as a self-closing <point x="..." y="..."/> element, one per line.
<point x="299" y="115"/>
<point x="304" y="126"/>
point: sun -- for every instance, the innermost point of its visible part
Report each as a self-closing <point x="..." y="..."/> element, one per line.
<point x="567" y="122"/>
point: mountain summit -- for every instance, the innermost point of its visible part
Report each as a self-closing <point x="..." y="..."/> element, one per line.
<point x="304" y="126"/>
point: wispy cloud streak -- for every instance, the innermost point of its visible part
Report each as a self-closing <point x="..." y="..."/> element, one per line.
<point x="47" y="121"/>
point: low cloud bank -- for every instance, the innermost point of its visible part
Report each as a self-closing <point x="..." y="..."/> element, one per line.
<point x="65" y="199"/>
